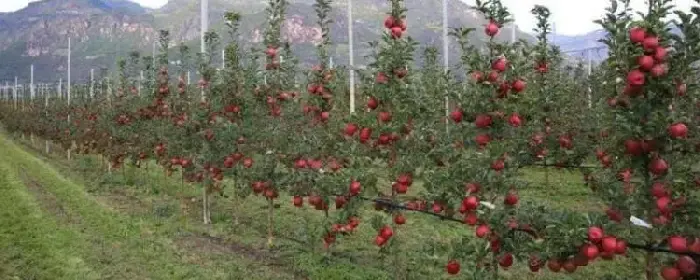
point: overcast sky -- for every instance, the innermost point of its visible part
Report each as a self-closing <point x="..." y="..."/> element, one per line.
<point x="570" y="16"/>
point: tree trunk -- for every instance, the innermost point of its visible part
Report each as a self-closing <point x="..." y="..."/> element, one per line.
<point x="270" y="222"/>
<point x="649" y="266"/>
<point x="205" y="205"/>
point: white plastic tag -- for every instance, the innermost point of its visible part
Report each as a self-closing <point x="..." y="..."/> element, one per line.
<point x="639" y="222"/>
<point x="488" y="204"/>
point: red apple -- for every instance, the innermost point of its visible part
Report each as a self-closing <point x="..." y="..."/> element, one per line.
<point x="660" y="54"/>
<point x="482" y="230"/>
<point x="271" y="51"/>
<point x="658" y="190"/>
<point x="633" y="147"/>
<point x="677" y="244"/>
<point x="694" y="245"/>
<point x="386" y="232"/>
<point x="614" y="214"/>
<point x="389" y="22"/>
<point x="662" y="204"/>
<point x="686" y="265"/>
<point x="298" y="201"/>
<point x="229" y="161"/>
<point x="595" y="234"/>
<point x="658" y="166"/>
<point x="396" y="32"/>
<point x="499" y="65"/>
<point x="681" y="88"/>
<point x="350" y="129"/>
<point x="493" y="77"/>
<point x="569" y="266"/>
<point x="518" y="86"/>
<point x="535" y="263"/>
<point x="482" y="139"/>
<point x="670" y="273"/>
<point x="554" y="265"/>
<point x="247" y="162"/>
<point x="637" y="35"/>
<point x="590" y="251"/>
<point x="659" y="70"/>
<point x="609" y="244"/>
<point x="650" y="43"/>
<point x="452" y="267"/>
<point x="621" y="247"/>
<point x="678" y="130"/>
<point x="477" y="76"/>
<point x="340" y="201"/>
<point x="483" y="121"/>
<point x="498" y="165"/>
<point x="400" y="188"/>
<point x="399" y="219"/>
<point x="355" y="188"/>
<point x="491" y="29"/>
<point x="372" y="103"/>
<point x="515" y="120"/>
<point x="566" y="142"/>
<point x="635" y="78"/>
<point x="471" y="218"/>
<point x="384" y="116"/>
<point x="300" y="163"/>
<point x="470" y="203"/>
<point x="380" y="241"/>
<point x="365" y="134"/>
<point x="457" y="116"/>
<point x="472" y="187"/>
<point x="645" y="62"/>
<point x="511" y="198"/>
<point x="506" y="260"/>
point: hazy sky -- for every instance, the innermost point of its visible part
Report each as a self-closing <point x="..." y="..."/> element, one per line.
<point x="570" y="16"/>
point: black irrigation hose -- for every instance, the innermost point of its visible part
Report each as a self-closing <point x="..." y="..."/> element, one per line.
<point x="562" y="166"/>
<point x="393" y="205"/>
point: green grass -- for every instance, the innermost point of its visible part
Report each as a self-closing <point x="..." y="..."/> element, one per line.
<point x="67" y="220"/>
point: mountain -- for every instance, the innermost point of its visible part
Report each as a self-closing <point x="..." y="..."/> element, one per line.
<point x="102" y="30"/>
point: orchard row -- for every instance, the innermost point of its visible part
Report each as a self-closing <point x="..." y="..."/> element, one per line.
<point x="254" y="132"/>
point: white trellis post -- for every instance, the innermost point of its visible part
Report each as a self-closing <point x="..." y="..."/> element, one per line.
<point x="31" y="82"/>
<point x="351" y="54"/>
<point x="140" y="82"/>
<point x="69" y="95"/>
<point x="14" y="93"/>
<point x="154" y="54"/>
<point x="513" y="29"/>
<point x="69" y="86"/>
<point x="188" y="77"/>
<point x="589" y="70"/>
<point x="31" y="97"/>
<point x="92" y="83"/>
<point x="204" y="15"/>
<point x="446" y="57"/>
<point x="47" y="145"/>
<point x="205" y="26"/>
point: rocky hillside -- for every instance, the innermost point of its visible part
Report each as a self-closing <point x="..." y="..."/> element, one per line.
<point x="102" y="30"/>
